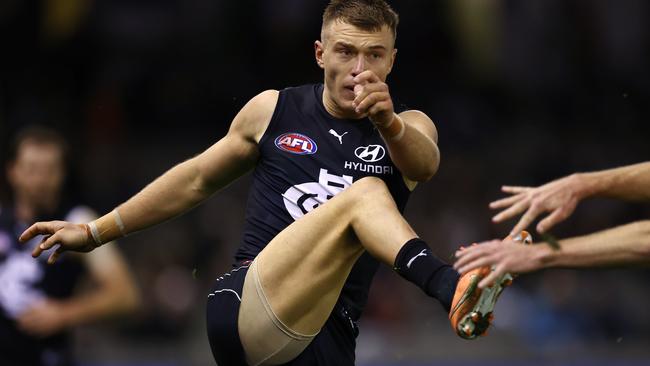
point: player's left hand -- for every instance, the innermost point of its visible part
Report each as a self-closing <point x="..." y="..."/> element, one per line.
<point x="372" y="99"/>
<point x="505" y="256"/>
<point x="43" y="319"/>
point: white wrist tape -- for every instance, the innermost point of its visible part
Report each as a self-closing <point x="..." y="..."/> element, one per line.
<point x="119" y="222"/>
<point x="95" y="233"/>
<point x="394" y="130"/>
<point x="402" y="129"/>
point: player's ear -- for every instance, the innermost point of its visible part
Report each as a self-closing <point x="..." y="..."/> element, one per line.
<point x="318" y="51"/>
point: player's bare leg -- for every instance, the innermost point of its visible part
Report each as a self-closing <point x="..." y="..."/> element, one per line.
<point x="304" y="268"/>
<point x="302" y="271"/>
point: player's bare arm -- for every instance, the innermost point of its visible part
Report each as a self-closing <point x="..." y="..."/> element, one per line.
<point x="418" y="148"/>
<point x="630" y="183"/>
<point x="560" y="197"/>
<point x="176" y="191"/>
<point x="622" y="245"/>
<point x="411" y="136"/>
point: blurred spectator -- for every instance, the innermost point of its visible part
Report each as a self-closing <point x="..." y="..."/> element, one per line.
<point x="39" y="303"/>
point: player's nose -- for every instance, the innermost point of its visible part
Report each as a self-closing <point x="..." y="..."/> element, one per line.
<point x="360" y="65"/>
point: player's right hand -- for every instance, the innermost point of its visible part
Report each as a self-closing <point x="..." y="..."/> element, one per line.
<point x="68" y="236"/>
<point x="559" y="197"/>
<point x="372" y="99"/>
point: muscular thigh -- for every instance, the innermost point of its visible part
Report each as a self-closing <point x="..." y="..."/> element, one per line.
<point x="303" y="269"/>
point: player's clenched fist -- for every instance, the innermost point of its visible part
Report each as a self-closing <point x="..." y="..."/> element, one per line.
<point x="68" y="236"/>
<point x="372" y="99"/>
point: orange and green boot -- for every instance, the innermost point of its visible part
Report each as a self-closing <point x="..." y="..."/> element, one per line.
<point x="472" y="307"/>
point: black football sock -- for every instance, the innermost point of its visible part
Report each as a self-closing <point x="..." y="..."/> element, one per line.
<point x="416" y="263"/>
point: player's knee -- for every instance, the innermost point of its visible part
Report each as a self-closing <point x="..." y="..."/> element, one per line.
<point x="371" y="188"/>
<point x="365" y="192"/>
<point x="369" y="183"/>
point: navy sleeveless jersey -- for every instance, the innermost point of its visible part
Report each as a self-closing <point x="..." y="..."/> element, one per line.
<point x="307" y="157"/>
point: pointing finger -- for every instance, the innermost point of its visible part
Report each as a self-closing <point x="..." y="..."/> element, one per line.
<point x="32" y="231"/>
<point x="472" y="255"/>
<point x="477" y="262"/>
<point x="39" y="228"/>
<point x="511" y="211"/>
<point x="505" y="202"/>
<point x="525" y="220"/>
<point x="552" y="219"/>
<point x="515" y="189"/>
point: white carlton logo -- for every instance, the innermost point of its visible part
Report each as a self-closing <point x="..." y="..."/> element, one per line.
<point x="303" y="198"/>
<point x="370" y="153"/>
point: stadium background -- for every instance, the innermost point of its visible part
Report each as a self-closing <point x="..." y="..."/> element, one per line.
<point x="522" y="92"/>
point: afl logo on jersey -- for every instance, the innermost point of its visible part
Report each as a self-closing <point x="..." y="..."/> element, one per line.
<point x="370" y="153"/>
<point x="296" y="143"/>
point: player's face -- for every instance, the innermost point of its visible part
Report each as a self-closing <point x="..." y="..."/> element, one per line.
<point x="37" y="174"/>
<point x="345" y="52"/>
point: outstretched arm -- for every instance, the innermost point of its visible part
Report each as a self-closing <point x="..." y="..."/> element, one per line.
<point x="561" y="196"/>
<point x="630" y="183"/>
<point x="623" y="245"/>
<point x="179" y="189"/>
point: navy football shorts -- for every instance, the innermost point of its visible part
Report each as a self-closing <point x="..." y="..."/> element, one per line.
<point x="333" y="346"/>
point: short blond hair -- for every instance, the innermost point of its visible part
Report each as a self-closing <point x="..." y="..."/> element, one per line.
<point x="369" y="15"/>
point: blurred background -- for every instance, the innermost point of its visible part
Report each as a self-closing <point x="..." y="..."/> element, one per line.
<point x="522" y="92"/>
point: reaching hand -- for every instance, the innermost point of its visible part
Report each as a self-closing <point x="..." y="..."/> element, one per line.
<point x="506" y="256"/>
<point x="372" y="98"/>
<point x="559" y="197"/>
<point x="68" y="236"/>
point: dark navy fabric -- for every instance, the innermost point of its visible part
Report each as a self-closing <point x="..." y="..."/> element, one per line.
<point x="307" y="157"/>
<point x="333" y="346"/>
<point x="222" y="313"/>
<point x="26" y="280"/>
<point x="310" y="179"/>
